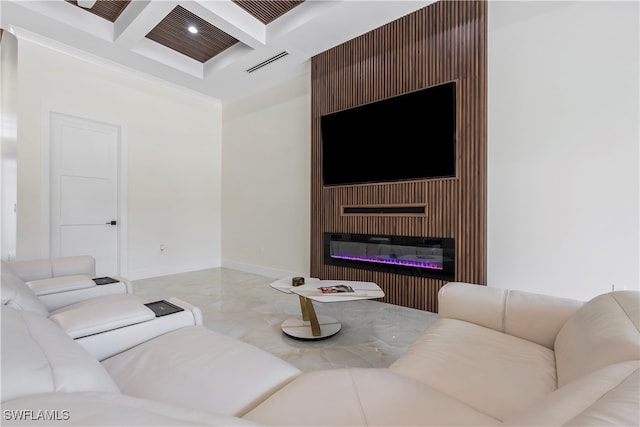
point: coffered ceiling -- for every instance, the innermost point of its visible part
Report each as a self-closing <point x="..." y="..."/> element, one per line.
<point x="224" y="49"/>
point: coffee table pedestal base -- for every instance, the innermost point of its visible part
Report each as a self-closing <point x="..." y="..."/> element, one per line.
<point x="301" y="329"/>
<point x="310" y="326"/>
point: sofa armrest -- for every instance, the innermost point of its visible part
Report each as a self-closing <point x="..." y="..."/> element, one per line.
<point x="127" y="283"/>
<point x="533" y="317"/>
<point x="36" y="269"/>
<point x="106" y="344"/>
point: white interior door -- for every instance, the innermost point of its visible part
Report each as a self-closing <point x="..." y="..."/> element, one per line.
<point x="84" y="190"/>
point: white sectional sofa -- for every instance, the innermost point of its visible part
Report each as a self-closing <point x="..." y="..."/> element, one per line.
<point x="494" y="357"/>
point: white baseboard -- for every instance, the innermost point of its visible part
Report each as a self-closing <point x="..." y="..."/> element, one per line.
<point x="146" y="273"/>
<point x="276" y="273"/>
<point x="261" y="270"/>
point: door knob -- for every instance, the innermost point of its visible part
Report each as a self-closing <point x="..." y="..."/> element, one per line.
<point x="114" y="222"/>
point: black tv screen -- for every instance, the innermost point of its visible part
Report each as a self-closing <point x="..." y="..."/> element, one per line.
<point x="407" y="137"/>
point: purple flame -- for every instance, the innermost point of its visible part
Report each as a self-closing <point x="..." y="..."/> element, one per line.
<point x="392" y="261"/>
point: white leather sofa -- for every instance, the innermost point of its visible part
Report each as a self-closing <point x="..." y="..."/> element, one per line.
<point x="62" y="281"/>
<point x="493" y="357"/>
<point x="105" y="323"/>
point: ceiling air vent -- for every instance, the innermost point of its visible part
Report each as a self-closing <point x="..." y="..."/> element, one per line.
<point x="267" y="62"/>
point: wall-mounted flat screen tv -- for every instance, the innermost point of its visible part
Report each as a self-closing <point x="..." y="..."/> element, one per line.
<point x="406" y="137"/>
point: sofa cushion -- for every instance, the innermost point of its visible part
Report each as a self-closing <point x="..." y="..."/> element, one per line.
<point x="363" y="397"/>
<point x="15" y="293"/>
<point x="537" y="318"/>
<point x="54" y="285"/>
<point x="198" y="368"/>
<point x="31" y="269"/>
<point x="492" y="372"/>
<point x="527" y="315"/>
<point x="97" y="315"/>
<point x="38" y="357"/>
<point x="580" y="396"/>
<point x="105" y="409"/>
<point x="619" y="407"/>
<point x="604" y="331"/>
<point x="44" y="268"/>
<point x="84" y="265"/>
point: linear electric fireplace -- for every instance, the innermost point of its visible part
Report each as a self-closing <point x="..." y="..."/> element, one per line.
<point x="414" y="256"/>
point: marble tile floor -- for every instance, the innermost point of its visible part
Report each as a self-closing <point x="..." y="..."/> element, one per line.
<point x="244" y="306"/>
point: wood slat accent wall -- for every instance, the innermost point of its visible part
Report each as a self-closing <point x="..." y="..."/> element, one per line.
<point x="442" y="42"/>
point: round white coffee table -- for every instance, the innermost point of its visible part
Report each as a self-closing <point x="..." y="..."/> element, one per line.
<point x="309" y="326"/>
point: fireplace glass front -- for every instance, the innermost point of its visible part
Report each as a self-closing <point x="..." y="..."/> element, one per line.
<point x="416" y="256"/>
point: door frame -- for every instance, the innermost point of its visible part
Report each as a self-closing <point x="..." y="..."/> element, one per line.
<point x="45" y="179"/>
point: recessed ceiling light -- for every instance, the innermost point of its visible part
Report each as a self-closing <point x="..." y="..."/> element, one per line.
<point x="193" y="30"/>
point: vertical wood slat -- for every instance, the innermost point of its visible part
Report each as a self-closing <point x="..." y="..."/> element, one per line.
<point x="442" y="42"/>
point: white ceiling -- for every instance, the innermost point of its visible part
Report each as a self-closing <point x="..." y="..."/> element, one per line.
<point x="305" y="31"/>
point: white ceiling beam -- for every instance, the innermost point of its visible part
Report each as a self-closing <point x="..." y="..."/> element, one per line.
<point x="231" y="19"/>
<point x="62" y="12"/>
<point x="166" y="56"/>
<point x="138" y="19"/>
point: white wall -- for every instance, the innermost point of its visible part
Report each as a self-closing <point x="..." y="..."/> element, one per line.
<point x="563" y="147"/>
<point x="266" y="181"/>
<point x="173" y="141"/>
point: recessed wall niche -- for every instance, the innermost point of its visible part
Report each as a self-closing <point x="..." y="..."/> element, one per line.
<point x="443" y="42"/>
